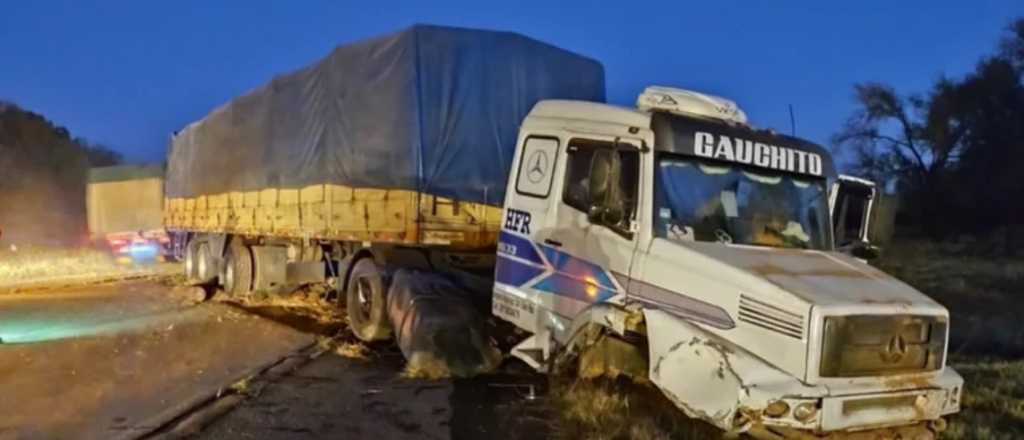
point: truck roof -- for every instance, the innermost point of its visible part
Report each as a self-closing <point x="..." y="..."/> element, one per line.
<point x="591" y="111"/>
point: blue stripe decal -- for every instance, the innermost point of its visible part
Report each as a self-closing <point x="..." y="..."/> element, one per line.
<point x="520" y="247"/>
<point x="578" y="267"/>
<point x="520" y="260"/>
<point x="564" y="285"/>
<point x="514" y="273"/>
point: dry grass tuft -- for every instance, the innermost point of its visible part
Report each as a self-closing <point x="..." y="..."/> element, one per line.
<point x="44" y="265"/>
<point x="352" y="350"/>
<point x="621" y="409"/>
<point x="241" y="387"/>
<point x="308" y="302"/>
<point x="425" y="366"/>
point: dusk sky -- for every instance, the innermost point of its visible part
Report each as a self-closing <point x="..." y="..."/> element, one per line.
<point x="128" y="73"/>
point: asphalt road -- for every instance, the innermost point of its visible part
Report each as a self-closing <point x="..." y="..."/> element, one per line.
<point x="119" y="360"/>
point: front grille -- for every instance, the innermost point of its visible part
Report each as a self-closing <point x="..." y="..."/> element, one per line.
<point x="872" y="345"/>
<point x="770" y="317"/>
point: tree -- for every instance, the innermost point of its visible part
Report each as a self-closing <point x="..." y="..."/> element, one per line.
<point x="42" y="177"/>
<point x="956" y="153"/>
<point x="908" y="142"/>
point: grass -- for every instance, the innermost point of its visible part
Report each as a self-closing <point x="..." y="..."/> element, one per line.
<point x="605" y="409"/>
<point x="352" y="350"/>
<point x="42" y="265"/>
<point x="984" y="295"/>
<point x="993" y="401"/>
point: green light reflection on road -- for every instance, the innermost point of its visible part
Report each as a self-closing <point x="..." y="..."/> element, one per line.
<point x="35" y="331"/>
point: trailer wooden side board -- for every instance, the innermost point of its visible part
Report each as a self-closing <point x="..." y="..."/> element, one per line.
<point x="337" y="212"/>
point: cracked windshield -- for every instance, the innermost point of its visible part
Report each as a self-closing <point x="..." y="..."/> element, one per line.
<point x="703" y="201"/>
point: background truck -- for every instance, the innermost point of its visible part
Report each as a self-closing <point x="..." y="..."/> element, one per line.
<point x="124" y="206"/>
<point x="672" y="241"/>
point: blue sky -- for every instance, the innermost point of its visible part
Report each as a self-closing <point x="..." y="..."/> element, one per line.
<point x="128" y="73"/>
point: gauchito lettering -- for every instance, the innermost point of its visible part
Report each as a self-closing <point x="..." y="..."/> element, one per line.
<point x="734" y="149"/>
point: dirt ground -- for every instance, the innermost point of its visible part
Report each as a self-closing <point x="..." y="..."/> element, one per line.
<point x="118" y="360"/>
<point x="363" y="391"/>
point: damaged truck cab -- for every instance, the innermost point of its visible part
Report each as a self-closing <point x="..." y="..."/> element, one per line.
<point x="708" y="248"/>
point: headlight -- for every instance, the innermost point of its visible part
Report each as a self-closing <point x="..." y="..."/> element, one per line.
<point x="776" y="409"/>
<point x="805" y="412"/>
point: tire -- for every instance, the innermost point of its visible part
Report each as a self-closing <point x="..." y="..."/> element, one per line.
<point x="205" y="270"/>
<point x="238" y="271"/>
<point x="366" y="302"/>
<point x="191" y="254"/>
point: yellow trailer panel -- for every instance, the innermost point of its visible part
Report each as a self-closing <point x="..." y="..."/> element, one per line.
<point x="338" y="212"/>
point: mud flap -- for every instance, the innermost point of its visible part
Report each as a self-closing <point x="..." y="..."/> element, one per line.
<point x="438" y="330"/>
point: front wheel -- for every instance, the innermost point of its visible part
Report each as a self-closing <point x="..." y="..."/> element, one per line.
<point x="366" y="302"/>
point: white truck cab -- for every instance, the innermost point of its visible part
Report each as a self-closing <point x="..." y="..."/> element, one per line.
<point x="709" y="247"/>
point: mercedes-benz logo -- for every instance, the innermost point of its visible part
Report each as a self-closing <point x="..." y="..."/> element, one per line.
<point x="538" y="163"/>
<point x="895" y="350"/>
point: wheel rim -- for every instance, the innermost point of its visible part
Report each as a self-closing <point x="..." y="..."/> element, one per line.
<point x="364" y="293"/>
<point x="203" y="265"/>
<point x="229" y="278"/>
<point x="190" y="264"/>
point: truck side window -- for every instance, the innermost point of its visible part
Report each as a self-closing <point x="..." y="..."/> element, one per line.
<point x="577" y="177"/>
<point x="536" y="166"/>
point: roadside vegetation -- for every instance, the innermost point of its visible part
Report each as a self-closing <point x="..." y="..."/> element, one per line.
<point x="43" y="168"/>
<point x="983" y="293"/>
<point x="37" y="266"/>
<point x="606" y="409"/>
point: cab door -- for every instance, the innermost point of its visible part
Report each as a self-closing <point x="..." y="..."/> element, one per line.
<point x="589" y="252"/>
<point x="527" y="215"/>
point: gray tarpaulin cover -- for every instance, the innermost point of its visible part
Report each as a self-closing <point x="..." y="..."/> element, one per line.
<point x="437" y="327"/>
<point x="430" y="108"/>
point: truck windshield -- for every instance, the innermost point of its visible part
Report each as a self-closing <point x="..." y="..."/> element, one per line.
<point x="711" y="201"/>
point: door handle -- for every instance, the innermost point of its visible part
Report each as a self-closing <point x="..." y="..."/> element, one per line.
<point x="554" y="243"/>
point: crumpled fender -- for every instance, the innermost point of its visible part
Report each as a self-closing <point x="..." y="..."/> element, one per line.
<point x="710" y="378"/>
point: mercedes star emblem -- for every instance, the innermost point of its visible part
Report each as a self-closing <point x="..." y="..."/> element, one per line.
<point x="538" y="166"/>
<point x="895" y="350"/>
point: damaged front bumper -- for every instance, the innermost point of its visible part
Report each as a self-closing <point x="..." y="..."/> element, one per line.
<point x="854" y="409"/>
<point x="713" y="380"/>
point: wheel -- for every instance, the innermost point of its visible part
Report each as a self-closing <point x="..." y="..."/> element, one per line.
<point x="238" y="271"/>
<point x="205" y="270"/>
<point x="191" y="252"/>
<point x="366" y="302"/>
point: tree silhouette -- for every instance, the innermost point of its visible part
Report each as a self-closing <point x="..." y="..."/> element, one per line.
<point x="955" y="153"/>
